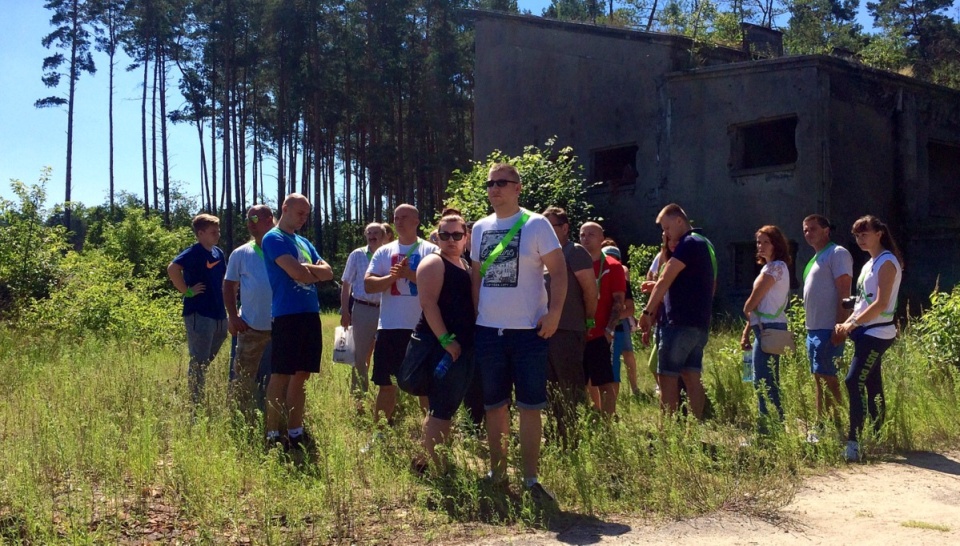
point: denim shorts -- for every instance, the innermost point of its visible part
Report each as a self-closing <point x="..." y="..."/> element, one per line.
<point x="512" y="359"/>
<point x="822" y="353"/>
<point x="681" y="349"/>
<point x="622" y="343"/>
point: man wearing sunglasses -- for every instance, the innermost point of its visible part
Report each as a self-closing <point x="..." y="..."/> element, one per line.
<point x="392" y="273"/>
<point x="515" y="318"/>
<point x="251" y="324"/>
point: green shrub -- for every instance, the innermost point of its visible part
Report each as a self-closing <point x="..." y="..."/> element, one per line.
<point x="550" y="178"/>
<point x="30" y="251"/>
<point x="939" y="328"/>
<point x="98" y="296"/>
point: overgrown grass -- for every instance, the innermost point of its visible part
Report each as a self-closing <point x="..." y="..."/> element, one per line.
<point x="100" y="445"/>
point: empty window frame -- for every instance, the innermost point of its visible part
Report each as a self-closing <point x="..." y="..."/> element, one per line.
<point x="943" y="170"/>
<point x="770" y="144"/>
<point x="615" y="166"/>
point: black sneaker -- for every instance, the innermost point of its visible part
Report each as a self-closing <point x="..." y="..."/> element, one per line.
<point x="541" y="495"/>
<point x="303" y="442"/>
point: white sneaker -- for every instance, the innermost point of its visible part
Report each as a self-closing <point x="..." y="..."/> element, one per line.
<point x="852" y="453"/>
<point x="813" y="437"/>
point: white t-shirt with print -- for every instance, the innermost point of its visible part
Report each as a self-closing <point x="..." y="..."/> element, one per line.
<point x="399" y="304"/>
<point x="512" y="293"/>
<point x="773" y="305"/>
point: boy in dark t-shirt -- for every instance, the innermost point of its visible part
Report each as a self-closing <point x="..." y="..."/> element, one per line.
<point x="198" y="273"/>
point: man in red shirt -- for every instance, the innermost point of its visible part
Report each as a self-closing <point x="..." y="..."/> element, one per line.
<point x="612" y="286"/>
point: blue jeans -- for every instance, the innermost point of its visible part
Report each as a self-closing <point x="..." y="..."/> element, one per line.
<point x="512" y="359"/>
<point x="822" y="352"/>
<point x="681" y="349"/>
<point x="204" y="338"/>
<point x="766" y="372"/>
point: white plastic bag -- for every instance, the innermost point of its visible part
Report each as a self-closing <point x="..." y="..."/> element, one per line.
<point x="343" y="350"/>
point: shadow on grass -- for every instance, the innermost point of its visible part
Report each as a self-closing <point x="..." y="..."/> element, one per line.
<point x="466" y="498"/>
<point x="931" y="461"/>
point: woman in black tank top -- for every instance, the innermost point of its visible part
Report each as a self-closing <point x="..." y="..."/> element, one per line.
<point x="446" y="325"/>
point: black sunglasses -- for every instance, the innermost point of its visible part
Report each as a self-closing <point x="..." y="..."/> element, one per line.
<point x="456" y="236"/>
<point x="501" y="183"/>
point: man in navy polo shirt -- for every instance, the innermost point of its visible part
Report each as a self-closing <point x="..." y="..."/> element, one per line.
<point x="690" y="279"/>
<point x="197" y="273"/>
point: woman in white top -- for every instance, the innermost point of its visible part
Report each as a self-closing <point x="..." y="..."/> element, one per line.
<point x="766" y="309"/>
<point x="871" y="326"/>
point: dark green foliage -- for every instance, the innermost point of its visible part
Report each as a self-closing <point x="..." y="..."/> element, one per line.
<point x="939" y="329"/>
<point x="550" y="178"/>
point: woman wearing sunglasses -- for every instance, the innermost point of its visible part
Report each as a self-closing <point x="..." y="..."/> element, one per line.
<point x="447" y="324"/>
<point x="871" y="326"/>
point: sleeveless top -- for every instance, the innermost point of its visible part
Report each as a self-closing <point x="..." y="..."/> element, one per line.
<point x="868" y="287"/>
<point x="456" y="306"/>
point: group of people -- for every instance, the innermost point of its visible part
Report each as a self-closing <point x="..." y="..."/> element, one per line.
<point x="508" y="310"/>
<point x="831" y="315"/>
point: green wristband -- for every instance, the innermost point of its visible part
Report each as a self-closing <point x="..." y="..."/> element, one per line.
<point x="446" y="339"/>
<point x="189" y="293"/>
<point x="591" y="323"/>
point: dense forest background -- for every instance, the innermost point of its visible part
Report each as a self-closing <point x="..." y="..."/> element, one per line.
<point x="363" y="104"/>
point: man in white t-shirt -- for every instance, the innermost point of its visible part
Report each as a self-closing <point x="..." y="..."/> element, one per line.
<point x="364" y="312"/>
<point x="393" y="275"/>
<point x="247" y="273"/>
<point x="826" y="281"/>
<point x="509" y="250"/>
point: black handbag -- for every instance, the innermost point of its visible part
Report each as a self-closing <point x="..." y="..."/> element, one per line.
<point x="418" y="365"/>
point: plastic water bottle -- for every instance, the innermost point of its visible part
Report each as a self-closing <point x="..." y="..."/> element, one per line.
<point x="748" y="366"/>
<point x="443" y="366"/>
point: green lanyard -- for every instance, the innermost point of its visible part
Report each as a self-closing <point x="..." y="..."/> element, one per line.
<point x="369" y="254"/>
<point x="303" y="251"/>
<point x="603" y="261"/>
<point x="409" y="252"/>
<point x="806" y="270"/>
<point x="713" y="253"/>
<point x="503" y="243"/>
<point x="774" y="315"/>
<point x="862" y="290"/>
<point x="258" y="250"/>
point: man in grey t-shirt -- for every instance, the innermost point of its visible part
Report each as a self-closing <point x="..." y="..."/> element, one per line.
<point x="826" y="281"/>
<point x="565" y="376"/>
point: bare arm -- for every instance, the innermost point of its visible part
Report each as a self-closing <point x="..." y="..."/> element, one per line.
<point x="175" y="272"/>
<point x="761" y="285"/>
<point x="297" y="271"/>
<point x="842" y="283"/>
<point x="557" y="268"/>
<point x="345" y="316"/>
<point x="374" y="284"/>
<point x="588" y="285"/>
<point x="429" y="283"/>
<point x="615" y="310"/>
<point x="235" y="324"/>
<point x="475" y="285"/>
<point x="321" y="270"/>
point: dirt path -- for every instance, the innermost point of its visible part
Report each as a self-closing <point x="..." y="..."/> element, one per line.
<point x="913" y="499"/>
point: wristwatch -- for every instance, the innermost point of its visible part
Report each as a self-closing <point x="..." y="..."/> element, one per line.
<point x="647" y="312"/>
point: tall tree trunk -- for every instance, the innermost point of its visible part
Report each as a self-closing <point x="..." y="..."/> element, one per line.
<point x="153" y="135"/>
<point x="110" y="85"/>
<point x="143" y="133"/>
<point x="71" y="94"/>
<point x="162" y="64"/>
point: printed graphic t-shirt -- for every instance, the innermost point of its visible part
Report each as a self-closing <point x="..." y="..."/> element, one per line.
<point x="399" y="304"/>
<point x="208" y="267"/>
<point x="289" y="296"/>
<point x="512" y="293"/>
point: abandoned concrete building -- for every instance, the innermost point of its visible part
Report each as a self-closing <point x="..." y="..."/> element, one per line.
<point x="739" y="138"/>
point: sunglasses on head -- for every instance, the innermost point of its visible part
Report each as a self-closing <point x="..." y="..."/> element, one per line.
<point x="456" y="236"/>
<point x="501" y="183"/>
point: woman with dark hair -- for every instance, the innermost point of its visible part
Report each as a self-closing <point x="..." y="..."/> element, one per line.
<point x="871" y="326"/>
<point x="766" y="309"/>
<point x="445" y="328"/>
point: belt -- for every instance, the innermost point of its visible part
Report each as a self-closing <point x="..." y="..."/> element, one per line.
<point x="367" y="303"/>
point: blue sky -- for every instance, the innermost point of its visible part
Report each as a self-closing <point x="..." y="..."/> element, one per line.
<point x="31" y="138"/>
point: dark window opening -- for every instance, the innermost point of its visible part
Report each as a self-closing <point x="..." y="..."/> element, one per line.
<point x="943" y="168"/>
<point x="745" y="266"/>
<point x="615" y="166"/>
<point x="765" y="145"/>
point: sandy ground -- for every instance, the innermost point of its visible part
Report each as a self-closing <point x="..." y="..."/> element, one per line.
<point x="909" y="500"/>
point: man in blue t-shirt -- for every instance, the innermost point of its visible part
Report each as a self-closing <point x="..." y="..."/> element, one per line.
<point x="197" y="273"/>
<point x="294" y="268"/>
<point x="690" y="278"/>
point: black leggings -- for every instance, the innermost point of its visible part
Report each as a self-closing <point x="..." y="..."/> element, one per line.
<point x="865" y="384"/>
